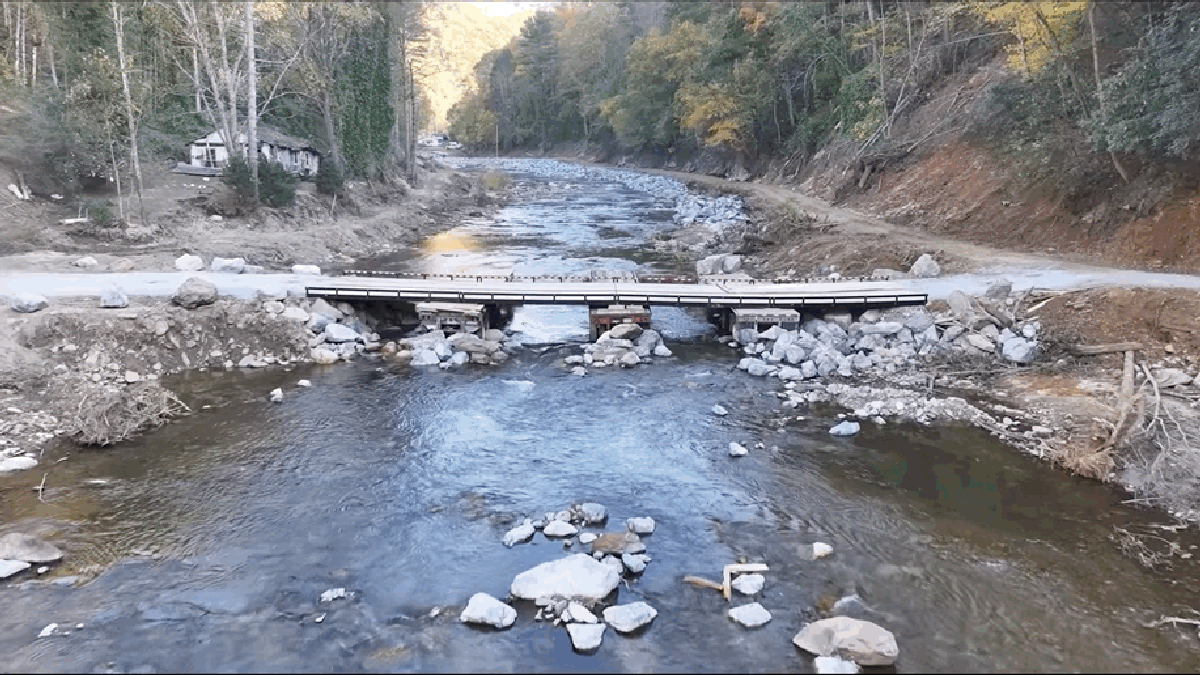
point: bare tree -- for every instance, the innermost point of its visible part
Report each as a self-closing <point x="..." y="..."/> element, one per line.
<point x="252" y="97"/>
<point x="130" y="115"/>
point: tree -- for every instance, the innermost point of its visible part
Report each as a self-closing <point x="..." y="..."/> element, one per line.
<point x="118" y="28"/>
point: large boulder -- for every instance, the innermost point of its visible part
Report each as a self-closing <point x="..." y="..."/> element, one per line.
<point x="232" y="265"/>
<point x="26" y="547"/>
<point x="19" y="463"/>
<point x="337" y="333"/>
<point x="925" y="267"/>
<point x="484" y="609"/>
<point x="1020" y="350"/>
<point x="113" y="298"/>
<point x="11" y="567"/>
<point x="28" y="302"/>
<point x="625" y="331"/>
<point x="307" y="270"/>
<point x="578" y="576"/>
<point x="425" y="357"/>
<point x="961" y="306"/>
<point x="628" y="618"/>
<point x="189" y="263"/>
<point x="860" y="641"/>
<point x="195" y="292"/>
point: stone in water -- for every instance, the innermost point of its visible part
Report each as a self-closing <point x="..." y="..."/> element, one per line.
<point x="844" y="429"/>
<point x="483" y="608"/>
<point x="820" y="549"/>
<point x="749" y="584"/>
<point x="576" y="576"/>
<point x="628" y="618"/>
<point x="586" y="637"/>
<point x="860" y="641"/>
<point x="519" y="534"/>
<point x="736" y="450"/>
<point x="750" y="616"/>
<point x="643" y="525"/>
<point x="559" y="528"/>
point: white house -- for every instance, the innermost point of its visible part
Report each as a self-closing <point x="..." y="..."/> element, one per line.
<point x="296" y="155"/>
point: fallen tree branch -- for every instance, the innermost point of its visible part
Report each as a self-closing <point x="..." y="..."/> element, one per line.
<point x="1091" y="350"/>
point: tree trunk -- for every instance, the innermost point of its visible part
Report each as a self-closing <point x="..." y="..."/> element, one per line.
<point x="1099" y="92"/>
<point x="331" y="131"/>
<point x="119" y="29"/>
<point x="1024" y="52"/>
<point x="251" y="97"/>
<point x="196" y="77"/>
<point x="33" y="67"/>
<point x="117" y="177"/>
<point x="53" y="72"/>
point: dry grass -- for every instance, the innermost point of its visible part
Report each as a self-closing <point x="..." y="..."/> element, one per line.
<point x="100" y="415"/>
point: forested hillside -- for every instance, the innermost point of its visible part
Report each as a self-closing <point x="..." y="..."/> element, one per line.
<point x="1084" y="115"/>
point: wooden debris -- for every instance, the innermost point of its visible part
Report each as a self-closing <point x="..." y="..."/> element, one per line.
<point x="1089" y="350"/>
<point x="703" y="583"/>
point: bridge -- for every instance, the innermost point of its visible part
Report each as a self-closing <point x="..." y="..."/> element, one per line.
<point x="719" y="293"/>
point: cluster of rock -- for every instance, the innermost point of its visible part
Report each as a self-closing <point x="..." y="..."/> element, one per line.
<point x="719" y="264"/>
<point x="194" y="263"/>
<point x="338" y="332"/>
<point x="19" y="552"/>
<point x="625" y="345"/>
<point x="712" y="213"/>
<point x="435" y="348"/>
<point x="884" y="342"/>
<point x="17" y="426"/>
<point x="570" y="591"/>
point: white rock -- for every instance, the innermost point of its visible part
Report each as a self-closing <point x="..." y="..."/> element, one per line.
<point x="591" y="512"/>
<point x="719" y="411"/>
<point x="28" y="303"/>
<point x="661" y="350"/>
<point x="232" y="265"/>
<point x="48" y="630"/>
<point x="324" y="355"/>
<point x="577" y="613"/>
<point x="521" y="533"/>
<point x="576" y="576"/>
<point x="736" y="450"/>
<point x="113" y="298"/>
<point x="483" y="608"/>
<point x="16" y="464"/>
<point x="304" y="383"/>
<point x="925" y="267"/>
<point x="1019" y="350"/>
<point x="579" y="371"/>
<point x="748" y="584"/>
<point x="334" y="594"/>
<point x="859" y="641"/>
<point x="425" y="357"/>
<point x="189" y="263"/>
<point x="11" y="567"/>
<point x="750" y="616"/>
<point x="635" y="562"/>
<point x="337" y="333"/>
<point x="642" y="525"/>
<point x="833" y="665"/>
<point x="844" y="429"/>
<point x="311" y="270"/>
<point x="820" y="549"/>
<point x="560" y="528"/>
<point x="296" y="314"/>
<point x="586" y="636"/>
<point x="276" y="395"/>
<point x="459" y="358"/>
<point x="587" y="538"/>
<point x="131" y="377"/>
<point x="87" y="262"/>
<point x="628" y="618"/>
<point x="630" y="359"/>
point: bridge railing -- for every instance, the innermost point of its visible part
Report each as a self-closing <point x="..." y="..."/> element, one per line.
<point x="588" y="278"/>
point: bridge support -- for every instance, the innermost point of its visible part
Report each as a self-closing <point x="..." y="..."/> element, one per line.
<point x="602" y="318"/>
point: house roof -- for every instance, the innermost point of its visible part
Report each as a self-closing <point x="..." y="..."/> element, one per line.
<point x="271" y="135"/>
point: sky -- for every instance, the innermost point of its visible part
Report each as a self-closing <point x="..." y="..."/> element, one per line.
<point x="506" y="8"/>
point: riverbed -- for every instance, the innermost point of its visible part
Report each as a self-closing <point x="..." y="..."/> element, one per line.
<point x="212" y="539"/>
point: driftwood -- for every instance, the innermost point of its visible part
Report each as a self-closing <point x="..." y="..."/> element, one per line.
<point x="1089" y="350"/>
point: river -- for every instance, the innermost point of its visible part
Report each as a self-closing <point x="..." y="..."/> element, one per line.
<point x="215" y="536"/>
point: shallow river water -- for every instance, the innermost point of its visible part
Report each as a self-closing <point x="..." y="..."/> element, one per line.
<point x="397" y="483"/>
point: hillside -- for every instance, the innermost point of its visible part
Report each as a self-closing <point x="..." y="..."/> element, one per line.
<point x="462" y="34"/>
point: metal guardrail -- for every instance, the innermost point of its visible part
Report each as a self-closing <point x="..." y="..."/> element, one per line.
<point x="567" y="278"/>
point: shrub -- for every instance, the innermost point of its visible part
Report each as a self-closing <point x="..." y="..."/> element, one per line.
<point x="494" y="180"/>
<point x="106" y="414"/>
<point x="276" y="185"/>
<point x="102" y="214"/>
<point x="328" y="179"/>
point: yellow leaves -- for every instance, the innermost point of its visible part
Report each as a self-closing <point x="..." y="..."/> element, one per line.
<point x="752" y="19"/>
<point x="1038" y="27"/>
<point x="713" y="114"/>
